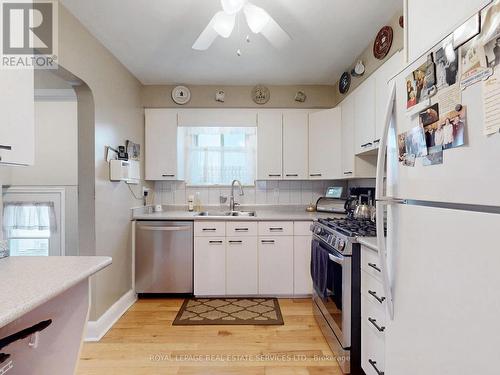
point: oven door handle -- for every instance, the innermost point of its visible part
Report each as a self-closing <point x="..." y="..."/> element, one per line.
<point x="336" y="259"/>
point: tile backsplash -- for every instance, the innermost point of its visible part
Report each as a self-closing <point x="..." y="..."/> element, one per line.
<point x="264" y="192"/>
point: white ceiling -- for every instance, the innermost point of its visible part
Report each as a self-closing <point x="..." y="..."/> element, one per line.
<point x="153" y="39"/>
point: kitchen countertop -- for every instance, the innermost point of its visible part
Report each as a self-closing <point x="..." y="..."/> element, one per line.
<point x="370" y="242"/>
<point x="28" y="282"/>
<point x="263" y="213"/>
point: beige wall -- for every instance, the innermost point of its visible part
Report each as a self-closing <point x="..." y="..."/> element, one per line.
<point x="118" y="116"/>
<point x="318" y="96"/>
<point x="371" y="63"/>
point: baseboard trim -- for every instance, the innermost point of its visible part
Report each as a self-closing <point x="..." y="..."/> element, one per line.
<point x="98" y="328"/>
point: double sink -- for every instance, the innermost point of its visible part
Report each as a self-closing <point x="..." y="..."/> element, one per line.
<point x="227" y="213"/>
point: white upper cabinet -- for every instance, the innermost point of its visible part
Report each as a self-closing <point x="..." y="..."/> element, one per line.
<point x="429" y="21"/>
<point x="347" y="146"/>
<point x="295" y="144"/>
<point x="364" y="115"/>
<point x="269" y="145"/>
<point x="325" y="144"/>
<point x="382" y="76"/>
<point x="161" y="145"/>
<point x="17" y="124"/>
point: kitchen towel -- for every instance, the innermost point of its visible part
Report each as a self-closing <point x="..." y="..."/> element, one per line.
<point x="319" y="268"/>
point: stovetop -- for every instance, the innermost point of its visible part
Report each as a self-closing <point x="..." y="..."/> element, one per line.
<point x="351" y="227"/>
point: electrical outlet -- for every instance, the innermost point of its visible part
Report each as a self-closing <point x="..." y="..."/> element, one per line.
<point x="145" y="191"/>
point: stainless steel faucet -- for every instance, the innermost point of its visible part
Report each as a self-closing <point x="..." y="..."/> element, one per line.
<point x="232" y="204"/>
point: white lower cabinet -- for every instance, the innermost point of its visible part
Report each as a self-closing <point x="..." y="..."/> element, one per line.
<point x="373" y="315"/>
<point x="245" y="258"/>
<point x="276" y="265"/>
<point x="241" y="266"/>
<point x="210" y="266"/>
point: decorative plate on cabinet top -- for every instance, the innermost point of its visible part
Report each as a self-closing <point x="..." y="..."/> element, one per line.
<point x="383" y="42"/>
<point x="344" y="82"/>
<point x="261" y="94"/>
<point x="181" y="95"/>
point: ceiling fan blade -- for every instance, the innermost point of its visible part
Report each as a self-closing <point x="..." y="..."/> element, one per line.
<point x="260" y="21"/>
<point x="207" y="37"/>
<point x="223" y="23"/>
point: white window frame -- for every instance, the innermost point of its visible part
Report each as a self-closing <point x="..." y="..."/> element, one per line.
<point x="36" y="193"/>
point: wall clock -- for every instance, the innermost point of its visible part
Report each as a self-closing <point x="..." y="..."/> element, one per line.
<point x="261" y="94"/>
<point x="383" y="42"/>
<point x="344" y="82"/>
<point x="181" y="95"/>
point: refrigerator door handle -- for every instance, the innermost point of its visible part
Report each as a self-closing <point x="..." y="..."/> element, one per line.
<point x="382" y="200"/>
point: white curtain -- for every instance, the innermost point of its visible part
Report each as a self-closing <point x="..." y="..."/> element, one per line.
<point x="219" y="155"/>
<point x="29" y="216"/>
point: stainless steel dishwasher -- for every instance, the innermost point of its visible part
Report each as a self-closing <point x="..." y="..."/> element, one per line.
<point x="164" y="257"/>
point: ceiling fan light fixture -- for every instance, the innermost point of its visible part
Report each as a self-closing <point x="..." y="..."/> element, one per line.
<point x="232" y="6"/>
<point x="257" y="18"/>
<point x="224" y="24"/>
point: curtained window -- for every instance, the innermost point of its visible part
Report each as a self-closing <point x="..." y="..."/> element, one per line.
<point x="29" y="227"/>
<point x="219" y="155"/>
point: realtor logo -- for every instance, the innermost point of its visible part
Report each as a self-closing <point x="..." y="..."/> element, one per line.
<point x="29" y="34"/>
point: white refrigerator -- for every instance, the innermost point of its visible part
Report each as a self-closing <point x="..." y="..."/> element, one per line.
<point x="441" y="252"/>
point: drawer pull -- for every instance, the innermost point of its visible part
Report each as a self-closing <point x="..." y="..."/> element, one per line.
<point x="274" y="175"/>
<point x="374" y="365"/>
<point x="374" y="295"/>
<point x="367" y="144"/>
<point x="374" y="266"/>
<point x="215" y="242"/>
<point x="315" y="175"/>
<point x="348" y="172"/>
<point x="168" y="175"/>
<point x="267" y="241"/>
<point x="376" y="141"/>
<point x="374" y="322"/>
<point x="209" y="229"/>
<point x="5" y="147"/>
<point x="292" y="175"/>
<point x="241" y="229"/>
<point x="276" y="229"/>
<point x="235" y="242"/>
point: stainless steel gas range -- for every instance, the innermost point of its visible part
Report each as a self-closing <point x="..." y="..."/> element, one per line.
<point x="335" y="270"/>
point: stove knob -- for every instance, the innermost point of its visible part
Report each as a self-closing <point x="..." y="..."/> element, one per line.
<point x="341" y="244"/>
<point x="318" y="231"/>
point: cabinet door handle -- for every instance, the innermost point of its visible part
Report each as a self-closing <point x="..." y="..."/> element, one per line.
<point x="235" y="242"/>
<point x="374" y="266"/>
<point x="267" y="241"/>
<point x="315" y="175"/>
<point x="168" y="175"/>
<point x="241" y="229"/>
<point x="292" y="175"/>
<point x="276" y="229"/>
<point x="349" y="172"/>
<point x="209" y="229"/>
<point x="215" y="242"/>
<point x="274" y="175"/>
<point x="374" y="322"/>
<point x="374" y="295"/>
<point x="5" y="147"/>
<point x="374" y="365"/>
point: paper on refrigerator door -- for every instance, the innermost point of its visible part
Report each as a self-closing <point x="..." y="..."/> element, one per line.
<point x="491" y="103"/>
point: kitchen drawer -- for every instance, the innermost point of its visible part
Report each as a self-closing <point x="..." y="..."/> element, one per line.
<point x="302" y="228"/>
<point x="209" y="228"/>
<point x="370" y="262"/>
<point x="276" y="228"/>
<point x="373" y="291"/>
<point x="373" y="316"/>
<point x="241" y="228"/>
<point x="372" y="351"/>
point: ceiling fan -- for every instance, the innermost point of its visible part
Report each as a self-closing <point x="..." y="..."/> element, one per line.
<point x="259" y="21"/>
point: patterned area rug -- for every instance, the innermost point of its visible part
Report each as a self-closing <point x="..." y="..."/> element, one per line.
<point x="229" y="311"/>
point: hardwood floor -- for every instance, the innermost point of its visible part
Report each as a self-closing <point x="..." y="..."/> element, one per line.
<point x="144" y="341"/>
